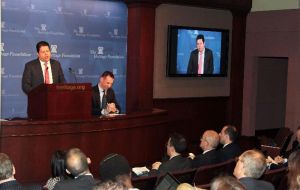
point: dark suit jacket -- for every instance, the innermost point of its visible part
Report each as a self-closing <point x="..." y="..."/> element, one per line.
<point x="33" y="74"/>
<point x="14" y="185"/>
<point x="210" y="157"/>
<point x="254" y="184"/>
<point x="208" y="62"/>
<point x="230" y="151"/>
<point x="110" y="96"/>
<point x="177" y="163"/>
<point x="81" y="182"/>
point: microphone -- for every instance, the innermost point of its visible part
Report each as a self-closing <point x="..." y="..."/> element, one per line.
<point x="73" y="73"/>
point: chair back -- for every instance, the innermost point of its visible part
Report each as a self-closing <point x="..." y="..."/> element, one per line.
<point x="205" y="174"/>
<point x="145" y="182"/>
<point x="283" y="138"/>
<point x="275" y="176"/>
<point x="186" y="176"/>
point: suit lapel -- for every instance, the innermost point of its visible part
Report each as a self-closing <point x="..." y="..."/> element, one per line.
<point x="39" y="70"/>
<point x="54" y="70"/>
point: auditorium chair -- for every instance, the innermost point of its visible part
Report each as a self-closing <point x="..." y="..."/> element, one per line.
<point x="278" y="145"/>
<point x="185" y="176"/>
<point x="145" y="182"/>
<point x="276" y="176"/>
<point x="205" y="174"/>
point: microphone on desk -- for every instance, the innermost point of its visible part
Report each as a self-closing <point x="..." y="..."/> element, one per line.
<point x="73" y="73"/>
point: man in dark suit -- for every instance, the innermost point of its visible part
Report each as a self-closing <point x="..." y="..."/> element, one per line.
<point x="175" y="146"/>
<point x="77" y="165"/>
<point x="104" y="101"/>
<point x="42" y="70"/>
<point x="249" y="168"/>
<point x="201" y="59"/>
<point x="209" y="143"/>
<point x="230" y="149"/>
<point x="7" y="179"/>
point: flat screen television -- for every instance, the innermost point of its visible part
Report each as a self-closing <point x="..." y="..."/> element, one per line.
<point x="183" y="54"/>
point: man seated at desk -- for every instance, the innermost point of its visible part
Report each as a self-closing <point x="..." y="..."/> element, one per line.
<point x="104" y="101"/>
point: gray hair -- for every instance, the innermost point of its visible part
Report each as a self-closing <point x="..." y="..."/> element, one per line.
<point x="254" y="163"/>
<point x="6" y="167"/>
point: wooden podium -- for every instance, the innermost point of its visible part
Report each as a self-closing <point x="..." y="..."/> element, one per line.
<point x="63" y="101"/>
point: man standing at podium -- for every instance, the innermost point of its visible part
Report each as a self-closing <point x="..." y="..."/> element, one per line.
<point x="104" y="101"/>
<point x="42" y="70"/>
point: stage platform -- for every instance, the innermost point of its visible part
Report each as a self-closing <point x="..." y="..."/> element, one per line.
<point x="140" y="137"/>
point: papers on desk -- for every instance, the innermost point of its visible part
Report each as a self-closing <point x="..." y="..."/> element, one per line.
<point x="140" y="170"/>
<point x="111" y="115"/>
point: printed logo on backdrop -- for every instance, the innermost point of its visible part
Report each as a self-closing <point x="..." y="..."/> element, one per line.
<point x="10" y="30"/>
<point x="13" y="53"/>
<point x="100" y="54"/>
<point x="115" y="34"/>
<point x="86" y="13"/>
<point x="80" y="32"/>
<point x="32" y="8"/>
<point x="108" y="15"/>
<point x="55" y="54"/>
<point x="5" y="7"/>
<point x="85" y="75"/>
<point x="2" y="47"/>
<point x="5" y="93"/>
<point x="59" y="10"/>
<point x="43" y="29"/>
<point x="4" y="75"/>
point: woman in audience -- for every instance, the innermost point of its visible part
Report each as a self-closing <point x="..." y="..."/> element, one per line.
<point x="58" y="169"/>
<point x="296" y="143"/>
<point x="294" y="170"/>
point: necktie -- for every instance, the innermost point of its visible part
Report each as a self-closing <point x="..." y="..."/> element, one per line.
<point x="47" y="80"/>
<point x="104" y="100"/>
<point x="200" y="63"/>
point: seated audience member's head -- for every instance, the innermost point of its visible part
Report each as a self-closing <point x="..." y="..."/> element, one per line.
<point x="252" y="163"/>
<point x="294" y="170"/>
<point x="77" y="162"/>
<point x="298" y="134"/>
<point x="7" y="170"/>
<point x="109" y="185"/>
<point x="114" y="165"/>
<point x="58" y="166"/>
<point x="228" y="134"/>
<point x="185" y="186"/>
<point x="226" y="183"/>
<point x="176" y="144"/>
<point x="209" y="140"/>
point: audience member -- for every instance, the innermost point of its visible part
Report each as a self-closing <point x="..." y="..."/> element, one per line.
<point x="115" y="167"/>
<point x="175" y="146"/>
<point x="186" y="186"/>
<point x="77" y="165"/>
<point x="226" y="183"/>
<point x="58" y="169"/>
<point x="294" y="170"/>
<point x="109" y="185"/>
<point x="7" y="172"/>
<point x="230" y="149"/>
<point x="296" y="142"/>
<point x="209" y="142"/>
<point x="249" y="167"/>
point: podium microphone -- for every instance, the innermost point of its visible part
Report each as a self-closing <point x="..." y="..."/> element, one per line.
<point x="73" y="73"/>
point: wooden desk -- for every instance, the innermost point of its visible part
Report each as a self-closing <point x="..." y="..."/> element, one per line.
<point x="139" y="137"/>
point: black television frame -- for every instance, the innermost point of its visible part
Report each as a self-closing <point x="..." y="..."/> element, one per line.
<point x="172" y="41"/>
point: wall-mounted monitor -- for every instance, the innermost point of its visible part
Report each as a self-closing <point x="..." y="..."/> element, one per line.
<point x="197" y="52"/>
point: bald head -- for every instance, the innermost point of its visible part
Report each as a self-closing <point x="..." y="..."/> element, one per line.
<point x="252" y="163"/>
<point x="6" y="167"/>
<point x="209" y="140"/>
<point x="76" y="162"/>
